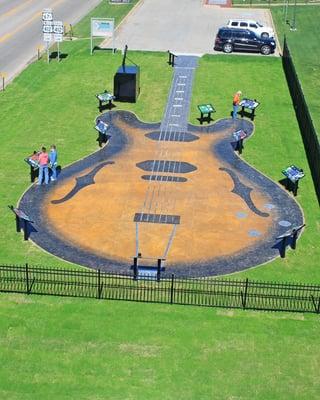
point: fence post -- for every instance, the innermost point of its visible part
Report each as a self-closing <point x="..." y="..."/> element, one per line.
<point x="135" y="268"/>
<point x="27" y="278"/>
<point x="159" y="269"/>
<point x="99" y="284"/>
<point x="172" y="289"/>
<point x="244" y="295"/>
<point x="316" y="306"/>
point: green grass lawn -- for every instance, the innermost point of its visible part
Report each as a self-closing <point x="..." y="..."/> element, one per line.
<point x="62" y="99"/>
<point x="56" y="103"/>
<point x="54" y="348"/>
<point x="89" y="349"/>
<point x="103" y="10"/>
<point x="304" y="46"/>
<point x="65" y="349"/>
<point x="276" y="143"/>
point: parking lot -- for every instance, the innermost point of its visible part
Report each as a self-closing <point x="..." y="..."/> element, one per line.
<point x="181" y="26"/>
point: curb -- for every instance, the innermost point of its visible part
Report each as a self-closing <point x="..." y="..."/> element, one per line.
<point x="138" y="4"/>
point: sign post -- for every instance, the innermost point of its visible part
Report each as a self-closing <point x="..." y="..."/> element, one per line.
<point x="3" y="76"/>
<point x="47" y="28"/>
<point x="58" y="30"/>
<point x="103" y="28"/>
<point x="52" y="31"/>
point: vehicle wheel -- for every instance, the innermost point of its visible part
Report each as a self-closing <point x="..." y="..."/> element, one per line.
<point x="265" y="49"/>
<point x="227" y="48"/>
<point x="264" y="35"/>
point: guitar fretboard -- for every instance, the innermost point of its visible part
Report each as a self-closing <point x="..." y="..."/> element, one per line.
<point x="159" y="203"/>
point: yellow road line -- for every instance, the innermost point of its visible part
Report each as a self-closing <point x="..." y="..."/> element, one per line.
<point x="8" y="35"/>
<point x="14" y="10"/>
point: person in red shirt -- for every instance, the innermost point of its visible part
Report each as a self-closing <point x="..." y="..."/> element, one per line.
<point x="235" y="104"/>
<point x="43" y="166"/>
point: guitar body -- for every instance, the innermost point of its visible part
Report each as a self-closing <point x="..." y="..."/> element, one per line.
<point x="188" y="199"/>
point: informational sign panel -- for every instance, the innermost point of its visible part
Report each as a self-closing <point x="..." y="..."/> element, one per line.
<point x="103" y="28"/>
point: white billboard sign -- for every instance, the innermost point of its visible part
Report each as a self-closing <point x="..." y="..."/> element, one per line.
<point x="102" y="27"/>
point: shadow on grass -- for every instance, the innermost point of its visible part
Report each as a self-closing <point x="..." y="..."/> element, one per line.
<point x="107" y="49"/>
<point x="106" y="107"/>
<point x="54" y="55"/>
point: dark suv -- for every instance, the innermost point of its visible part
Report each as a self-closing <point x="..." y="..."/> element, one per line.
<point x="229" y="39"/>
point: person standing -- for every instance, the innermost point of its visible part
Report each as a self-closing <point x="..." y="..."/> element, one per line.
<point x="235" y="104"/>
<point x="53" y="158"/>
<point x="43" y="166"/>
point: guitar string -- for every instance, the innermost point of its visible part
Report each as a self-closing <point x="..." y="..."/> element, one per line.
<point x="168" y="202"/>
<point x="151" y="187"/>
<point x="160" y="167"/>
<point x="156" y="165"/>
<point x="177" y="165"/>
<point x="155" y="179"/>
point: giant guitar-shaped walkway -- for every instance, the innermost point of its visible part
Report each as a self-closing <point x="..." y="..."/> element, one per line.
<point x="172" y="190"/>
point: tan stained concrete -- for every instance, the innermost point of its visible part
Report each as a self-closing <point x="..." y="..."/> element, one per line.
<point x="99" y="217"/>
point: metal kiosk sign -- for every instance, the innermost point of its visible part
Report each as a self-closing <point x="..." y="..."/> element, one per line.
<point x="103" y="28"/>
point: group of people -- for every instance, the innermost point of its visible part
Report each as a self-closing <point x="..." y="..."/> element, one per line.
<point x="45" y="161"/>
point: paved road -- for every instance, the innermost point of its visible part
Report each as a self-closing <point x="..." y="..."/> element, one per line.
<point x="182" y="26"/>
<point x="21" y="28"/>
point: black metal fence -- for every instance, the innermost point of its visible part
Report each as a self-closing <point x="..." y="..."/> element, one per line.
<point x="308" y="132"/>
<point x="228" y="293"/>
<point x="270" y="3"/>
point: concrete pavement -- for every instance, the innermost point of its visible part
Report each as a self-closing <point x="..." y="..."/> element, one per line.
<point x="21" y="28"/>
<point x="181" y="26"/>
